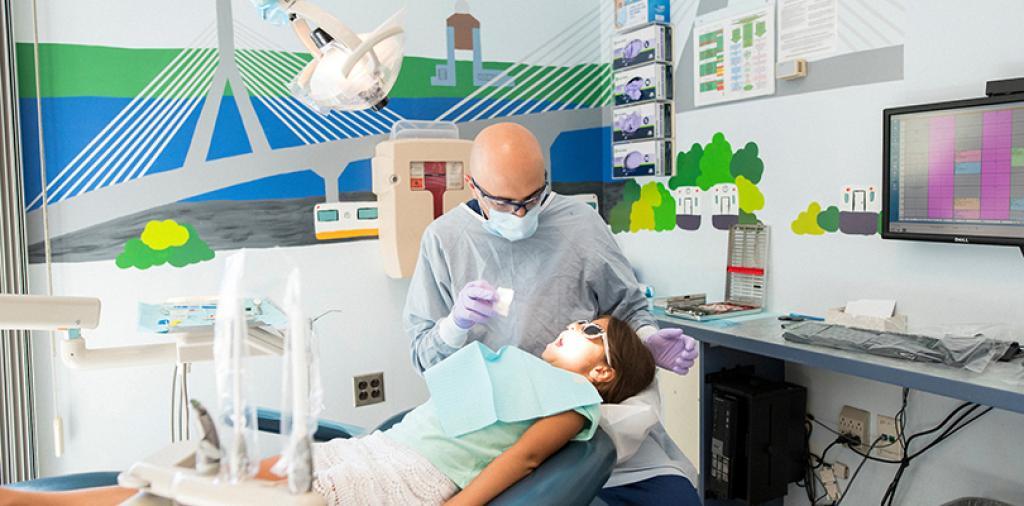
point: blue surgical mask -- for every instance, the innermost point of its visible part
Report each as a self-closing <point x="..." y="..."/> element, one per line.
<point x="512" y="227"/>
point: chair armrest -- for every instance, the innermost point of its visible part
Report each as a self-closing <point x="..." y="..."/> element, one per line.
<point x="67" y="482"/>
<point x="391" y="422"/>
<point x="269" y="420"/>
<point x="572" y="476"/>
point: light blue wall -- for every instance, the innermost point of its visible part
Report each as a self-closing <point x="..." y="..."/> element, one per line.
<point x="812" y="145"/>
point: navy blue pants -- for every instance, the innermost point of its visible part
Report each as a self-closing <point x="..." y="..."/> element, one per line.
<point x="667" y="490"/>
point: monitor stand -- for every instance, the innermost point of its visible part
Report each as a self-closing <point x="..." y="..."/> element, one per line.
<point x="1004" y="87"/>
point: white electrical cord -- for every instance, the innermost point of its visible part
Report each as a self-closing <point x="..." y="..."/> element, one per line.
<point x="58" y="421"/>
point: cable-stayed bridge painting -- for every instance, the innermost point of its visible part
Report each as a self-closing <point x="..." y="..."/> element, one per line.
<point x="214" y="136"/>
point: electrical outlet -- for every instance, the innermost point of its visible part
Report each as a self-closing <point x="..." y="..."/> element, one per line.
<point x="369" y="389"/>
<point x="856" y="422"/>
<point x="890" y="448"/>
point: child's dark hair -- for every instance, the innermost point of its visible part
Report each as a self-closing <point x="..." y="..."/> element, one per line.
<point x="632" y="361"/>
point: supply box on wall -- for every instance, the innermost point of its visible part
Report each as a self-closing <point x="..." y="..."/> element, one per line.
<point x="643" y="84"/>
<point x="639" y="159"/>
<point x="642" y="95"/>
<point x="652" y="43"/>
<point x="652" y="120"/>
<point x="633" y="13"/>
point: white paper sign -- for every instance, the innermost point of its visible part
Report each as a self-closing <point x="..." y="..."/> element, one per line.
<point x="807" y="29"/>
<point x="734" y="54"/>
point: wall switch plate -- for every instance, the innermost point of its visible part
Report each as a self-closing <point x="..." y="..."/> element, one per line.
<point x="369" y="389"/>
<point x="856" y="422"/>
<point x="891" y="448"/>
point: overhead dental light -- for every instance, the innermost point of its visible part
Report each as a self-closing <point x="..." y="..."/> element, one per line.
<point x="348" y="71"/>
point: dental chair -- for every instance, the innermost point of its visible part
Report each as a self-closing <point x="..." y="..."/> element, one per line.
<point x="572" y="476"/>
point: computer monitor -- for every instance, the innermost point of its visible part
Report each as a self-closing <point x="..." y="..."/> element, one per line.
<point x="954" y="171"/>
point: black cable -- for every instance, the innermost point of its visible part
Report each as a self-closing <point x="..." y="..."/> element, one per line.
<point x="901" y="418"/>
<point x="947" y="431"/>
<point x="809" y="487"/>
<point x="954" y="421"/>
<point x="949" y="417"/>
<point x="855" y="473"/>
<point x="821" y="461"/>
<point x="826" y="427"/>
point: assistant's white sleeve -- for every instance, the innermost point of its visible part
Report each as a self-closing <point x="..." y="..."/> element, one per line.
<point x="629" y="422"/>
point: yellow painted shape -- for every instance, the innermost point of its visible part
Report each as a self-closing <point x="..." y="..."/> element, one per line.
<point x="160" y="235"/>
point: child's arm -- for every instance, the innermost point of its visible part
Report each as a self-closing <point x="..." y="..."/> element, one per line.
<point x="540" y="441"/>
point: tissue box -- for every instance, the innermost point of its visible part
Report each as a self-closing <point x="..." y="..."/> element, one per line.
<point x="652" y="43"/>
<point x="645" y="121"/>
<point x="643" y="84"/>
<point x="631" y="13"/>
<point x="645" y="158"/>
<point x="894" y="323"/>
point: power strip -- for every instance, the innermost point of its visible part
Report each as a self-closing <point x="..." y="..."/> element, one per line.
<point x="856" y="422"/>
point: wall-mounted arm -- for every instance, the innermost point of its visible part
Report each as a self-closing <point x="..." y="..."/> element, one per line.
<point x="40" y="312"/>
<point x="71" y="314"/>
<point x="76" y="356"/>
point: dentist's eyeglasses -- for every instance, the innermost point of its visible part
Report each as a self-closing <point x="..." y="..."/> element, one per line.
<point x="594" y="331"/>
<point x="504" y="205"/>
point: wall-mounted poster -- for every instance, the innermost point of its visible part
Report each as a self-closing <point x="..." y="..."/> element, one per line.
<point x="734" y="53"/>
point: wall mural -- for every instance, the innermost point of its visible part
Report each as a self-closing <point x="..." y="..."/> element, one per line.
<point x="226" y="148"/>
<point x="858" y="214"/>
<point x="164" y="242"/>
<point x="710" y="176"/>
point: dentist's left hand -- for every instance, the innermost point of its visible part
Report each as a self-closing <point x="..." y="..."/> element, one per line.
<point x="673" y="350"/>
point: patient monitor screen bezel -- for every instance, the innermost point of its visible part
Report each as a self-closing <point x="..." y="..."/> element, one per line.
<point x="887" y="181"/>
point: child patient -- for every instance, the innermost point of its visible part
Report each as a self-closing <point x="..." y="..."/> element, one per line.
<point x="478" y="434"/>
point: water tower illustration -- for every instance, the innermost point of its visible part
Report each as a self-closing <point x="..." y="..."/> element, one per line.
<point x="462" y="31"/>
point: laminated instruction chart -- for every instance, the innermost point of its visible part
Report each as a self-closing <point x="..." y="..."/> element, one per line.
<point x="734" y="54"/>
<point x="963" y="167"/>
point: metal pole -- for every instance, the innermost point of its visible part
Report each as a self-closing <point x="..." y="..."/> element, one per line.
<point x="17" y="423"/>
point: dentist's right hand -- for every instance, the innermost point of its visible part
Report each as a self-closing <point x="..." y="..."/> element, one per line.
<point x="475" y="304"/>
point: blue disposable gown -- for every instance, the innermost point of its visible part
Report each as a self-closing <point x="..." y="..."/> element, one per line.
<point x="570" y="269"/>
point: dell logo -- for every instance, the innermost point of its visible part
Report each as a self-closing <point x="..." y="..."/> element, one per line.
<point x="961" y="240"/>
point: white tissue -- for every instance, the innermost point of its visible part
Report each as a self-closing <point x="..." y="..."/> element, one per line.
<point x="504" y="302"/>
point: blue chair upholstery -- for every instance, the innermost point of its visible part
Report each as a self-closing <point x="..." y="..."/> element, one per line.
<point x="269" y="420"/>
<point x="573" y="476"/>
<point x="68" y="482"/>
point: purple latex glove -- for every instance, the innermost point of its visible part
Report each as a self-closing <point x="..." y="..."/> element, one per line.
<point x="474" y="305"/>
<point x="673" y="350"/>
